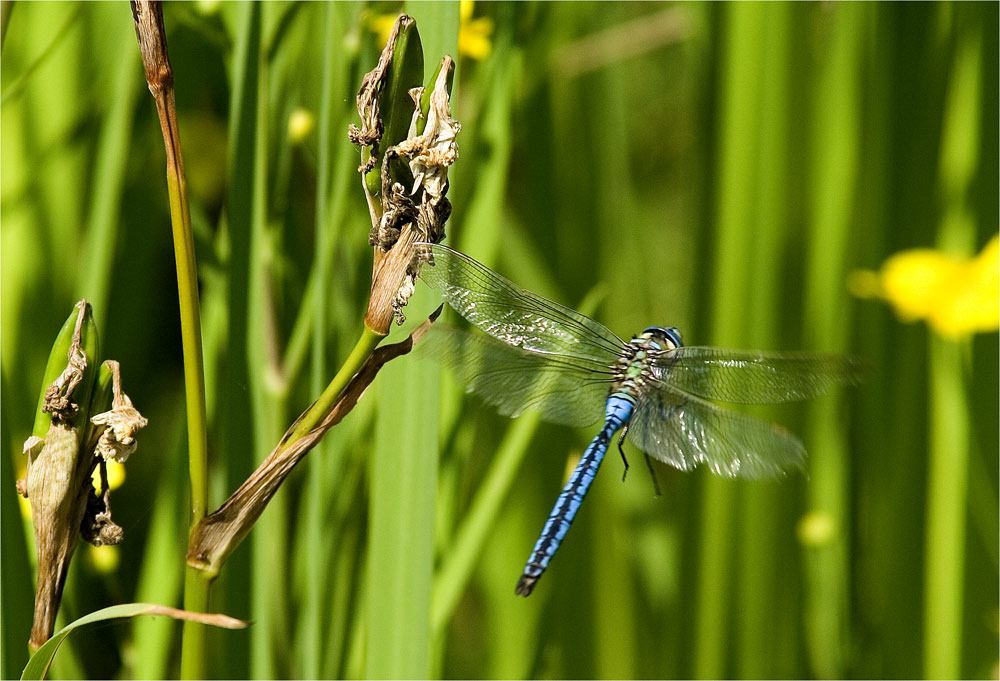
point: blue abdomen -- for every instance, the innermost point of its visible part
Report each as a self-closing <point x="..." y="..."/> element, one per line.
<point x="617" y="413"/>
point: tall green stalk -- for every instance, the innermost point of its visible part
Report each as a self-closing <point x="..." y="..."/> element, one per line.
<point x="152" y="44"/>
<point x="404" y="470"/>
<point x="739" y="83"/>
<point x="950" y="361"/>
<point x="834" y="169"/>
<point x="947" y="484"/>
<point x="763" y="646"/>
<point x="323" y="228"/>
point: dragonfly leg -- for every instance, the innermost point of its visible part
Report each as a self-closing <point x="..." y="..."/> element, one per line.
<point x="652" y="475"/>
<point x="621" y="441"/>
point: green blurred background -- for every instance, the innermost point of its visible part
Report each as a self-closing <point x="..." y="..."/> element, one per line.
<point x="719" y="167"/>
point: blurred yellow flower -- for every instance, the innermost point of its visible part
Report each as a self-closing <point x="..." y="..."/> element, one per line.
<point x="208" y="7"/>
<point x="300" y="123"/>
<point x="103" y="559"/>
<point x="380" y="24"/>
<point x="473" y="34"/>
<point x="954" y="295"/>
<point x="816" y="528"/>
<point x="116" y="476"/>
<point x="24" y="504"/>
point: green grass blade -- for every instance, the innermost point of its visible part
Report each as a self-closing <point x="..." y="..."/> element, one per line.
<point x="16" y="578"/>
<point x="401" y="545"/>
<point x="267" y="577"/>
<point x="474" y="531"/>
<point x="946" y="510"/>
<point x="765" y="648"/>
<point x="110" y="174"/>
<point x="950" y="428"/>
<point x="834" y="174"/>
<point x="735" y="201"/>
<point x="312" y="617"/>
<point x="38" y="665"/>
<point x="160" y="576"/>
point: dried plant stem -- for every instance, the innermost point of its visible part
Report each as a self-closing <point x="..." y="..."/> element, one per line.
<point x="148" y="18"/>
<point x="218" y="535"/>
<point x="362" y="351"/>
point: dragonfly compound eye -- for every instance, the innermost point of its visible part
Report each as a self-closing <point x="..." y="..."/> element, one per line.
<point x="668" y="333"/>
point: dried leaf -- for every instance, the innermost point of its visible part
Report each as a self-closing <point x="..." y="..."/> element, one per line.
<point x="218" y="534"/>
<point x="119" y="425"/>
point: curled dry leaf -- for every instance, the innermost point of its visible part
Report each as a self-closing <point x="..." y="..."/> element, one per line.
<point x="431" y="153"/>
<point x="119" y="425"/>
<point x="64" y="504"/>
<point x="58" y="471"/>
<point x="369" y="94"/>
<point x="418" y="214"/>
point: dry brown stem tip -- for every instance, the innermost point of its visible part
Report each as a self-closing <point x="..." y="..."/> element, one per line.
<point x="147" y="17"/>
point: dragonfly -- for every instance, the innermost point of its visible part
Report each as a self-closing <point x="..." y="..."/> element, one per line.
<point x="537" y="354"/>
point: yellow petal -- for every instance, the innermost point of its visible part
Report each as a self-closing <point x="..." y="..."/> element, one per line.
<point x="988" y="262"/>
<point x="381" y="25"/>
<point x="474" y="44"/>
<point x="300" y="123"/>
<point x="816" y="528"/>
<point x="954" y="295"/>
<point x="919" y="281"/>
<point x="465" y="8"/>
<point x="474" y="34"/>
<point x="104" y="559"/>
<point x="975" y="305"/>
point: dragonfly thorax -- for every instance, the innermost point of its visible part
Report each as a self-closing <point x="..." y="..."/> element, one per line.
<point x="633" y="368"/>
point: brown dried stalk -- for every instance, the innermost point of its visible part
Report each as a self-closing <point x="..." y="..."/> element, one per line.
<point x="64" y="505"/>
<point x="222" y="531"/>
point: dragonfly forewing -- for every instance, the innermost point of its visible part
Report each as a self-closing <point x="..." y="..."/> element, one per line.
<point x="512" y="314"/>
<point x="754" y="377"/>
<point x="563" y="389"/>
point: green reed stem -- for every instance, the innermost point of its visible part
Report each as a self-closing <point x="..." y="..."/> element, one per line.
<point x="367" y="342"/>
<point x="947" y="482"/>
<point x="950" y="430"/>
<point x="196" y="583"/>
<point x="741" y="55"/>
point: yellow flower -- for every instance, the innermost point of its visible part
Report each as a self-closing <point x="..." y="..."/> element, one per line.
<point x="380" y="24"/>
<point x="116" y="476"/>
<point x="103" y="559"/>
<point x="954" y="295"/>
<point x="473" y="34"/>
<point x="816" y="528"/>
<point x="208" y="7"/>
<point x="300" y="123"/>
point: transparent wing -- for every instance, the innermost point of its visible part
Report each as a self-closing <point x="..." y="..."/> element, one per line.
<point x="515" y="315"/>
<point x="752" y="377"/>
<point x="686" y="431"/>
<point x="566" y="390"/>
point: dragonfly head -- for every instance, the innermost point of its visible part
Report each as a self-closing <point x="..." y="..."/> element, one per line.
<point x="669" y="335"/>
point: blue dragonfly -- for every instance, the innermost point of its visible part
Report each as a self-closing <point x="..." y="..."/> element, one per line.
<point x="537" y="354"/>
